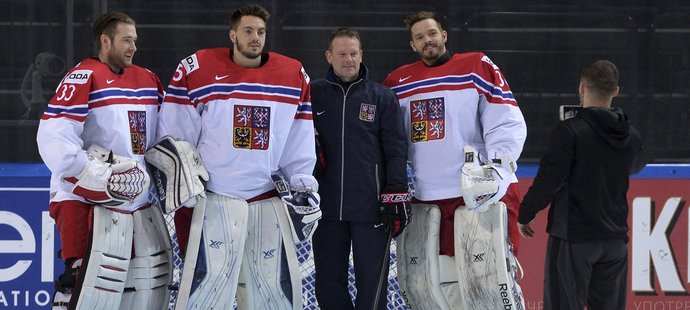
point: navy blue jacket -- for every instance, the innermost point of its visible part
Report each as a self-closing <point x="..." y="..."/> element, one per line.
<point x="362" y="134"/>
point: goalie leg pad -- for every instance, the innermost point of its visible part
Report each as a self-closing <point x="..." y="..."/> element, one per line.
<point x="108" y="260"/>
<point x="176" y="171"/>
<point x="487" y="278"/>
<point x="270" y="245"/>
<point x="150" y="271"/>
<point x="418" y="260"/>
<point x="211" y="283"/>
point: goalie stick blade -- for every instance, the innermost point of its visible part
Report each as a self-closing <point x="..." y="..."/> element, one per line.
<point x="191" y="256"/>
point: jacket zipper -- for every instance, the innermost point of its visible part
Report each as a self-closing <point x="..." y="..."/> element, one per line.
<point x="378" y="183"/>
<point x="342" y="144"/>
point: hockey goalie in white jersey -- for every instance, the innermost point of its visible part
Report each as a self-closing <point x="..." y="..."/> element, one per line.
<point x="92" y="137"/>
<point x="248" y="114"/>
<point x="452" y="256"/>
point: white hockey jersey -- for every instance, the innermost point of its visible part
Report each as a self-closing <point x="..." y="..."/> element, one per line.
<point x="247" y="123"/>
<point x="93" y="105"/>
<point x="463" y="101"/>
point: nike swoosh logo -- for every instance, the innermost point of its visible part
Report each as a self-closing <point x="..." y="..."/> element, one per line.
<point x="403" y="79"/>
<point x="320" y="112"/>
<point x="218" y="78"/>
<point x="109" y="81"/>
<point x="378" y="225"/>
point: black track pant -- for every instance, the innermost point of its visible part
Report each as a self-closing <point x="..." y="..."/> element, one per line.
<point x="592" y="273"/>
<point x="331" y="243"/>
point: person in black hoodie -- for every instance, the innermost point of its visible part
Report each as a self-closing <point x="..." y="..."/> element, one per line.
<point x="364" y="150"/>
<point x="584" y="176"/>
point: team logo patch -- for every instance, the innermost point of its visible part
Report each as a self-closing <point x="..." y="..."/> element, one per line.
<point x="137" y="131"/>
<point x="251" y="127"/>
<point x="427" y="119"/>
<point x="367" y="112"/>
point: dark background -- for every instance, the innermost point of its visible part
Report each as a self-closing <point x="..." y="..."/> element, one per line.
<point x="539" y="45"/>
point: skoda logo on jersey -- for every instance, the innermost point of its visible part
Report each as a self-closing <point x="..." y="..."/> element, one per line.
<point x="367" y="112"/>
<point x="216" y="244"/>
<point x="78" y="77"/>
<point x="269" y="254"/>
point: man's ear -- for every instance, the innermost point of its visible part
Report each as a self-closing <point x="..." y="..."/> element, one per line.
<point x="105" y="41"/>
<point x="233" y="36"/>
<point x="582" y="88"/>
<point x="414" y="49"/>
<point x="329" y="57"/>
<point x="615" y="92"/>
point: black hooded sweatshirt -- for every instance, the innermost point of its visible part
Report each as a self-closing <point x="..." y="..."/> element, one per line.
<point x="584" y="176"/>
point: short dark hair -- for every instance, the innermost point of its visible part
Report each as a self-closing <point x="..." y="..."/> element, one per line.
<point x="413" y="18"/>
<point x="600" y="77"/>
<point x="343" y="32"/>
<point x="248" y="10"/>
<point x="107" y="24"/>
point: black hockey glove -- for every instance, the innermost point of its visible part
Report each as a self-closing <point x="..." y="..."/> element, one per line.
<point x="395" y="209"/>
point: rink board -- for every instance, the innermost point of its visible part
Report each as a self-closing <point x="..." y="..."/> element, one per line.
<point x="658" y="220"/>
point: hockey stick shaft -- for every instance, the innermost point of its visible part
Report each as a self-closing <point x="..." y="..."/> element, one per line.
<point x="191" y="257"/>
<point x="384" y="267"/>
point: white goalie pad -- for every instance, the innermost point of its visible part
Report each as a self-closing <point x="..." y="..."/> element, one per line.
<point x="108" y="261"/>
<point x="425" y="278"/>
<point x="269" y="276"/>
<point x="214" y="254"/>
<point x="150" y="271"/>
<point x="487" y="268"/>
<point x="177" y="171"/>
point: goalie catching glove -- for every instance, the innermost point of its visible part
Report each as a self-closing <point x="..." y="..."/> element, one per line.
<point x="394" y="209"/>
<point x="482" y="186"/>
<point x="178" y="173"/>
<point x="109" y="179"/>
<point x="303" y="205"/>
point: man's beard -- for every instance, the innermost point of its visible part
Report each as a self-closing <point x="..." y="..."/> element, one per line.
<point x="432" y="54"/>
<point x="118" y="61"/>
<point x="247" y="53"/>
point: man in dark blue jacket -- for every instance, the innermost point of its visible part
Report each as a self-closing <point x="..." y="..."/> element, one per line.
<point x="584" y="176"/>
<point x="362" y="177"/>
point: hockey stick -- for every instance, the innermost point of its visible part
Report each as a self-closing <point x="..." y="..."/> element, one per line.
<point x="193" y="245"/>
<point x="384" y="266"/>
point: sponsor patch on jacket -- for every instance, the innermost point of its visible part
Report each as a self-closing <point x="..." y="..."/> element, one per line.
<point x="137" y="131"/>
<point x="427" y="119"/>
<point x="78" y="77"/>
<point x="251" y="127"/>
<point x="367" y="112"/>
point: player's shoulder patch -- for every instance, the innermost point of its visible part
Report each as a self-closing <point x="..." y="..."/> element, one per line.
<point x="190" y="63"/>
<point x="306" y="76"/>
<point x="78" y="77"/>
<point x="486" y="59"/>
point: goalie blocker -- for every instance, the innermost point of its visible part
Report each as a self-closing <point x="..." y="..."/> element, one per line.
<point x="178" y="173"/>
